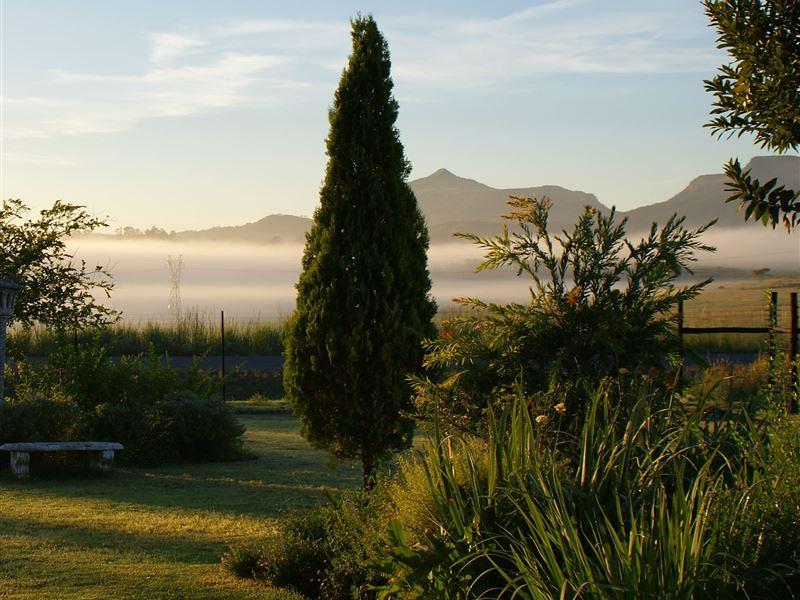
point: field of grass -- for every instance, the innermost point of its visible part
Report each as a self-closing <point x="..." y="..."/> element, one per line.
<point x="156" y="533"/>
<point x="739" y="302"/>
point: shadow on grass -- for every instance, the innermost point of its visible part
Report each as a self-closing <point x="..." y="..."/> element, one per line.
<point x="286" y="472"/>
<point x="168" y="546"/>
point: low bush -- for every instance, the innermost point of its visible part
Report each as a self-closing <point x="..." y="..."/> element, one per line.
<point x="765" y="528"/>
<point x="192" y="427"/>
<point x="329" y="551"/>
<point x="51" y="417"/>
<point x="158" y="414"/>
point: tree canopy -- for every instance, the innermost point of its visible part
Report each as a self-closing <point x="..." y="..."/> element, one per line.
<point x="58" y="290"/>
<point x="363" y="305"/>
<point x="758" y="93"/>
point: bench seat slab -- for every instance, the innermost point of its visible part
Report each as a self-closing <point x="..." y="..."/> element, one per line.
<point x="101" y="454"/>
<point x="60" y="446"/>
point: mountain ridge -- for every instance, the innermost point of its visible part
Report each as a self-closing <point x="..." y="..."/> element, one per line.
<point x="477" y="207"/>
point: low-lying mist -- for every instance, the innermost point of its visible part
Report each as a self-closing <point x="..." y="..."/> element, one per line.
<point x="251" y="281"/>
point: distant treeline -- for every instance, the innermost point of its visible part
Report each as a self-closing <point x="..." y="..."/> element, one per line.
<point x="135" y="232"/>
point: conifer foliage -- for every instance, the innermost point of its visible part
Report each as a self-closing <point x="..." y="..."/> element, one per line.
<point x="363" y="303"/>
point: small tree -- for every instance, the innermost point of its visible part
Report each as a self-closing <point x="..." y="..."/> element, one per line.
<point x="58" y="291"/>
<point x="758" y="93"/>
<point x="600" y="304"/>
<point x="363" y="305"/>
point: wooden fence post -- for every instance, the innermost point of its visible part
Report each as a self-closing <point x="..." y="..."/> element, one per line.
<point x="793" y="392"/>
<point x="773" y="338"/>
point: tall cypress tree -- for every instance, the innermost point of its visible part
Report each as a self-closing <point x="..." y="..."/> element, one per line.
<point x="363" y="303"/>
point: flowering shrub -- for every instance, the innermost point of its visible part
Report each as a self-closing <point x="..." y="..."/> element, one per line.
<point x="601" y="305"/>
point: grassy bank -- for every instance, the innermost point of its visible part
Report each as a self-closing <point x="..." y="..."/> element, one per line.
<point x="156" y="533"/>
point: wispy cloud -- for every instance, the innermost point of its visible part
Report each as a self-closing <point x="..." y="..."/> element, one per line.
<point x="274" y="61"/>
<point x="551" y="38"/>
<point x="536" y="11"/>
<point x="36" y="159"/>
<point x="280" y="26"/>
<point x="111" y="103"/>
<point x="169" y="46"/>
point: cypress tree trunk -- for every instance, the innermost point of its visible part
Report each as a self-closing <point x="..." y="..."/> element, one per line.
<point x="363" y="303"/>
<point x="368" y="467"/>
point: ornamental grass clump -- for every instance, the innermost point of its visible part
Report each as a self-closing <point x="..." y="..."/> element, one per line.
<point x="627" y="509"/>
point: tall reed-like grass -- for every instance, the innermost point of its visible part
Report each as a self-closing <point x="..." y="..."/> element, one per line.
<point x="191" y="334"/>
<point x="626" y="510"/>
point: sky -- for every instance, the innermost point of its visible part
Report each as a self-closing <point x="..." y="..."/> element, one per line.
<point x="190" y="114"/>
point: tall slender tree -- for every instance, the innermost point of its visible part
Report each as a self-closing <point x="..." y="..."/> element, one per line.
<point x="363" y="302"/>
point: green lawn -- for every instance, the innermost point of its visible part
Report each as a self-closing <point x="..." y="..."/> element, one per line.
<point x="156" y="533"/>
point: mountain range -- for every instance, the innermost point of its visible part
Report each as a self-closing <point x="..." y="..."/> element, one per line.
<point x="451" y="203"/>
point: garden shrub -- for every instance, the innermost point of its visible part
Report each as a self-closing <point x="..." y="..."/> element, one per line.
<point x="128" y="422"/>
<point x="157" y="413"/>
<point x="329" y="551"/>
<point x="192" y="427"/>
<point x="600" y="304"/>
<point x="765" y="529"/>
<point x="407" y="495"/>
<point x="52" y="417"/>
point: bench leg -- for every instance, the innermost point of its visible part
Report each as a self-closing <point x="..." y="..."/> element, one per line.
<point x="102" y="460"/>
<point x="21" y="464"/>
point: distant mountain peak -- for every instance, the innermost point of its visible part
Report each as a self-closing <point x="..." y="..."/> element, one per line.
<point x="443" y="177"/>
<point x="789" y="160"/>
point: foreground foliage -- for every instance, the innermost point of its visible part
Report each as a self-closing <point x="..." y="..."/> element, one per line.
<point x="643" y="502"/>
<point x="644" y="499"/>
<point x="329" y="551"/>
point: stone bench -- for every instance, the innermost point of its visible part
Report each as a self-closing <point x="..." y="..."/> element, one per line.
<point x="101" y="454"/>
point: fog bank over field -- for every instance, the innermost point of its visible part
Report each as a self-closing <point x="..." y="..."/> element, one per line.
<point x="250" y="281"/>
<point x="753" y="247"/>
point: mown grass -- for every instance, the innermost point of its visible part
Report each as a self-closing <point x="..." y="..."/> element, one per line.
<point x="156" y="533"/>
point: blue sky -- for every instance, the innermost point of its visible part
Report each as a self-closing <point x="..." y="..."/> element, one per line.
<point x="192" y="114"/>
